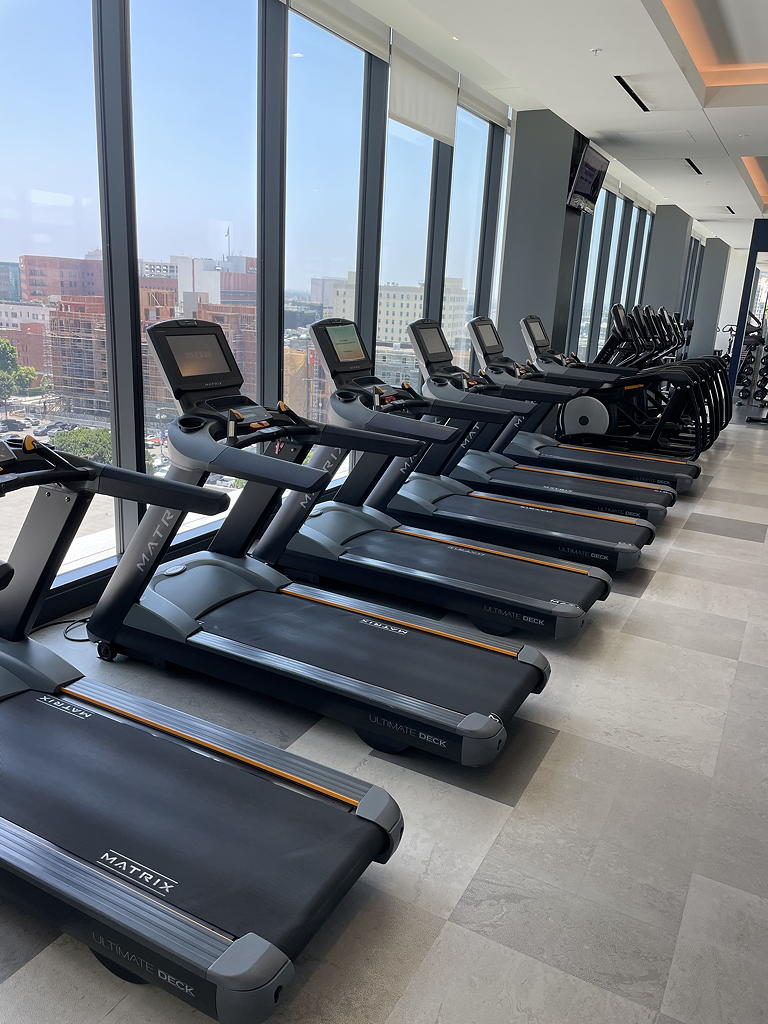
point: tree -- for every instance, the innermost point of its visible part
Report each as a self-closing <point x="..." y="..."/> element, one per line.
<point x="25" y="377"/>
<point x="87" y="442"/>
<point x="8" y="361"/>
<point x="7" y="384"/>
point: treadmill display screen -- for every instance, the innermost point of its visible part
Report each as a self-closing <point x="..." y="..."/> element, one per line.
<point x="346" y="343"/>
<point x="538" y="335"/>
<point x="198" y="355"/>
<point x="488" y="339"/>
<point x="433" y="342"/>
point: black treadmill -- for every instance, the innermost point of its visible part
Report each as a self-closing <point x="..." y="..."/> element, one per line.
<point x="182" y="853"/>
<point x="483" y="464"/>
<point x="400" y="680"/>
<point x="347" y="539"/>
<point x="541" y="450"/>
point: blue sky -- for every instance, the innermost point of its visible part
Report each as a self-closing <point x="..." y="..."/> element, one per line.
<point x="194" y="92"/>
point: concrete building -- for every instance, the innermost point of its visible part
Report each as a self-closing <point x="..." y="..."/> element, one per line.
<point x="10" y="282"/>
<point x="45" y="276"/>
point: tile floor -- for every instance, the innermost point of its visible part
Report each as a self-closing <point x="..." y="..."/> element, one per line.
<point x="610" y="868"/>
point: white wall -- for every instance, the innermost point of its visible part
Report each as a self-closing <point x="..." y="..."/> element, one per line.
<point x="734" y="283"/>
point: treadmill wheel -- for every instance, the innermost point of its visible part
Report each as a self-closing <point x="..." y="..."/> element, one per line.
<point x="118" y="971"/>
<point x="105" y="651"/>
<point x="380" y="743"/>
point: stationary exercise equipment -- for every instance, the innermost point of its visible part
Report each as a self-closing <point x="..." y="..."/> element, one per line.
<point x="524" y="443"/>
<point x="182" y="853"/>
<point x="400" y="680"/>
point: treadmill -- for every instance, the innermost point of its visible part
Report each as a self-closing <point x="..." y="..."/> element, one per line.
<point x="183" y="854"/>
<point x="400" y="680"/>
<point x="541" y="450"/>
<point x="430" y="498"/>
<point x="349" y="540"/>
<point x="482" y="464"/>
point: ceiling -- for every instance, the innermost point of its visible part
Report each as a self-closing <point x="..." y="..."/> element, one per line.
<point x="701" y="66"/>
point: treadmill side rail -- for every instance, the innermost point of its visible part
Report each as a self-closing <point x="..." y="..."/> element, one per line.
<point x="379" y="807"/>
<point x="249" y="977"/>
<point x="345" y="788"/>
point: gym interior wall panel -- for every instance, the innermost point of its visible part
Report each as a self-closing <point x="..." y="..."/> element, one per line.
<point x="667" y="258"/>
<point x="533" y="244"/>
<point x="710" y="293"/>
<point x="566" y="284"/>
<point x="729" y="303"/>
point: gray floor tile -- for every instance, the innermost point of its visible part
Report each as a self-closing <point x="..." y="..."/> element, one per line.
<point x="754" y="648"/>
<point x="467" y="978"/>
<point x="733" y="847"/>
<point x="718" y="569"/>
<point x="632" y="583"/>
<point x="584" y="938"/>
<point x="698" y="595"/>
<point x="22" y="936"/>
<point x="716" y="493"/>
<point x="726" y="527"/>
<point x="749" y="695"/>
<point x="718" y="972"/>
<point x="651" y="889"/>
<point x="504" y="780"/>
<point x="681" y="627"/>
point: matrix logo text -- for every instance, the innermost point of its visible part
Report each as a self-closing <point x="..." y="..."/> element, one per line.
<point x="137" y="872"/>
<point x="61" y="705"/>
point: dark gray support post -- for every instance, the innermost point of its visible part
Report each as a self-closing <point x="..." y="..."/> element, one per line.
<point x="635" y="266"/>
<point x="759" y="243"/>
<point x="621" y="253"/>
<point x="114" y="126"/>
<point x="437" y="234"/>
<point x="489" y="224"/>
<point x="371" y="201"/>
<point x="273" y="105"/>
<point x="601" y="277"/>
<point x="579" y="281"/>
<point x="530" y="269"/>
<point x="706" y="311"/>
<point x="566" y="279"/>
<point x="667" y="255"/>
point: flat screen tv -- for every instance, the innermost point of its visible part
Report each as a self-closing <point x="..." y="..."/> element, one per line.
<point x="586" y="186"/>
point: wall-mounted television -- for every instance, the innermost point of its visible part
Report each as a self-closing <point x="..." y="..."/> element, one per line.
<point x="588" y="181"/>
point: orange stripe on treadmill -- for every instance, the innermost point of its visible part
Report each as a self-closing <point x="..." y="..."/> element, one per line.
<point x="584" y="476"/>
<point x="551" y="508"/>
<point x="212" y="746"/>
<point x="402" y="622"/>
<point x="490" y="551"/>
<point x="624" y="455"/>
<point x="129" y="888"/>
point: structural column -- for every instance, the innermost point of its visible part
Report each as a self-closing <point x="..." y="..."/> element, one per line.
<point x="667" y="258"/>
<point x="535" y="240"/>
<point x="709" y="297"/>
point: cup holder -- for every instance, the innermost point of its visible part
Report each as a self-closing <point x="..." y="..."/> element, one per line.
<point x="346" y="396"/>
<point x="189" y="424"/>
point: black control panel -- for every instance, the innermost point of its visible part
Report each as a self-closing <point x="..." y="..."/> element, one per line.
<point x="195" y="356"/>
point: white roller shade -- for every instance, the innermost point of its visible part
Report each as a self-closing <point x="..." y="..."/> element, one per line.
<point x="422" y="90"/>
<point x="349" y="22"/>
<point x="475" y="99"/>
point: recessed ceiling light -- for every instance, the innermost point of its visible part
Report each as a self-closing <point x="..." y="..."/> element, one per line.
<point x="455" y="39"/>
<point x="743" y="135"/>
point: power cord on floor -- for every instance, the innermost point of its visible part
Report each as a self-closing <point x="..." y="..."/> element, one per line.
<point x="70" y="624"/>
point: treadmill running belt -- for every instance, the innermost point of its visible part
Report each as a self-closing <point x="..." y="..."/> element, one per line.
<point x="473" y="567"/>
<point x="617" y="461"/>
<point x="591" y="525"/>
<point x="246" y="854"/>
<point x="523" y="476"/>
<point x="429" y="667"/>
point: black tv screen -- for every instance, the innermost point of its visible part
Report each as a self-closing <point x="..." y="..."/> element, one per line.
<point x="588" y="181"/>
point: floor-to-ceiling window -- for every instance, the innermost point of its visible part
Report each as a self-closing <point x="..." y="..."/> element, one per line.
<point x="195" y="172"/>
<point x="585" y="319"/>
<point x="464" y="226"/>
<point x="324" y="133"/>
<point x="405" y="224"/>
<point x="502" y="222"/>
<point x="53" y="331"/>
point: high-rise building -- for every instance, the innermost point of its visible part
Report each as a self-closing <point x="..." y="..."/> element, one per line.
<point x="77" y="334"/>
<point x="45" y="276"/>
<point x="322" y="291"/>
<point x="154" y="268"/>
<point x="10" y="281"/>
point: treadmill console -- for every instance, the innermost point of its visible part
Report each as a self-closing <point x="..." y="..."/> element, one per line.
<point x="436" y="359"/>
<point x="536" y="338"/>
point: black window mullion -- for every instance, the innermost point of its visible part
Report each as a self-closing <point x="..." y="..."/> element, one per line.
<point x="437" y="232"/>
<point x="489" y="223"/>
<point x="644" y="267"/>
<point x="621" y="252"/>
<point x="271" y="169"/>
<point x="637" y="253"/>
<point x="601" y="276"/>
<point x="579" y="281"/>
<point x="114" y="125"/>
<point x="371" y="203"/>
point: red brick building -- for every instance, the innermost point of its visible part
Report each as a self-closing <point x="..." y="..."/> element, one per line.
<point x="43" y="276"/>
